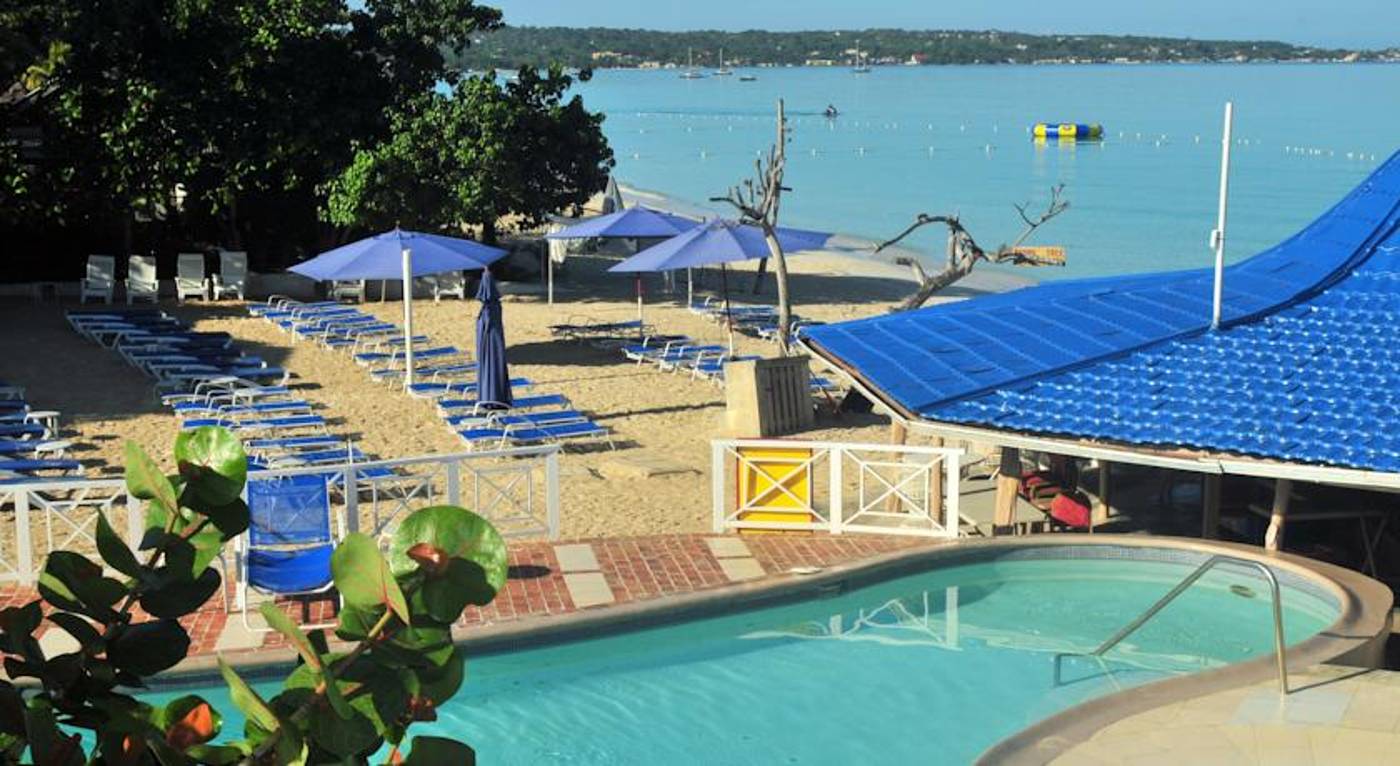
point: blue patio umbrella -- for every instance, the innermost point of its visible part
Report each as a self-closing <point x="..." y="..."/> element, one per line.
<point x="492" y="373"/>
<point x="400" y="254"/>
<point x="631" y="223"/>
<point x="720" y="242"/>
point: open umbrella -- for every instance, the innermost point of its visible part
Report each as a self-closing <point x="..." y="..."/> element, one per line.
<point x="400" y="254"/>
<point x="632" y="223"/>
<point x="720" y="242"/>
<point x="492" y="374"/>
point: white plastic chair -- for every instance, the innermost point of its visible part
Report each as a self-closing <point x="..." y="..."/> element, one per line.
<point x="189" y="277"/>
<point x="452" y="284"/>
<point x="352" y="289"/>
<point x="100" y="280"/>
<point x="232" y="278"/>
<point x="141" y="282"/>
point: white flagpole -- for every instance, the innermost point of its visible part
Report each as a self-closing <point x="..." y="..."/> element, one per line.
<point x="1217" y="236"/>
<point x="408" y="317"/>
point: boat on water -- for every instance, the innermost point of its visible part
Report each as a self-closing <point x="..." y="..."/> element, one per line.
<point x="860" y="66"/>
<point x="723" y="71"/>
<point x="690" y="72"/>
<point x="831" y="112"/>
<point x="747" y="78"/>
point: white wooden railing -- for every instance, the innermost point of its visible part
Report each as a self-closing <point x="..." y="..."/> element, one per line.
<point x="516" y="489"/>
<point x="782" y="484"/>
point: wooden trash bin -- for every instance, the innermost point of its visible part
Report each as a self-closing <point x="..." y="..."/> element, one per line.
<point x="768" y="397"/>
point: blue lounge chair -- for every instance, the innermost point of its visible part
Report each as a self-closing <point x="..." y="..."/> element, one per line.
<point x="287" y="549"/>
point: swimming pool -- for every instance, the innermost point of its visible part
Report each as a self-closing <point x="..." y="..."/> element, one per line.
<point x="932" y="667"/>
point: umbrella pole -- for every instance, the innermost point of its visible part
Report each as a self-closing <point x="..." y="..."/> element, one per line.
<point x="549" y="258"/>
<point x="689" y="288"/>
<point x="641" y="323"/>
<point x="408" y="317"/>
<point x="728" y="318"/>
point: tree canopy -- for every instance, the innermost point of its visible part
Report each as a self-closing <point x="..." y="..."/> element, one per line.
<point x="486" y="150"/>
<point x="229" y="122"/>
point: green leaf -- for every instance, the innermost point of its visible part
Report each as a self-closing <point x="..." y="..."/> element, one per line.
<point x="363" y="577"/>
<point x="21" y="620"/>
<point x="440" y="683"/>
<point x="189" y="721"/>
<point x="147" y="648"/>
<point x="73" y="583"/>
<point x="207" y="544"/>
<point x="212" y="461"/>
<point x="431" y="751"/>
<point x="114" y="550"/>
<point x="280" y="622"/>
<point x="81" y="630"/>
<point x="47" y="744"/>
<point x="379" y="694"/>
<point x="230" y="519"/>
<point x="145" y="480"/>
<point x="356" y="622"/>
<point x="247" y="700"/>
<point x="347" y="736"/>
<point x="456" y="532"/>
<point x="176" y="596"/>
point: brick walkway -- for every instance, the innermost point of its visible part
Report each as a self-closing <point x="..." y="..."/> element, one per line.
<point x="551" y="579"/>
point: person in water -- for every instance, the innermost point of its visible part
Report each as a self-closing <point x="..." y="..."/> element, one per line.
<point x="831" y="110"/>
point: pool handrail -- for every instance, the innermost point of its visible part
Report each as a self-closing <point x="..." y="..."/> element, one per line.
<point x="1161" y="603"/>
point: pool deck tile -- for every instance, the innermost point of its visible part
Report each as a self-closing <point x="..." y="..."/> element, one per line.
<point x="1336" y="715"/>
<point x="576" y="557"/>
<point x="552" y="579"/>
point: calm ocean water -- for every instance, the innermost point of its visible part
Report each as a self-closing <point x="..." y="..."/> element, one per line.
<point x="942" y="139"/>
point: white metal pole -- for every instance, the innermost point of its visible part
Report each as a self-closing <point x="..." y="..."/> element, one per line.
<point x="408" y="317"/>
<point x="550" y="258"/>
<point x="689" y="288"/>
<point x="1217" y="237"/>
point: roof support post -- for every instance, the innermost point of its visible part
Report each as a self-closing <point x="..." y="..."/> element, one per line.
<point x="1104" y="508"/>
<point x="1283" y="492"/>
<point x="1210" y="506"/>
<point x="1008" y="481"/>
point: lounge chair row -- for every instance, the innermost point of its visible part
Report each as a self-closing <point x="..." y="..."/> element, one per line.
<point x="169" y="351"/>
<point x="601" y="333"/>
<point x="30" y="449"/>
<point x="449" y="285"/>
<point x="141" y="282"/>
<point x="755" y="321"/>
<point x="444" y="374"/>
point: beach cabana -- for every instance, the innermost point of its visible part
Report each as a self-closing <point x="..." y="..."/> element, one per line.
<point x="1301" y="382"/>
<point x="717" y="242"/>
<point x="404" y="255"/>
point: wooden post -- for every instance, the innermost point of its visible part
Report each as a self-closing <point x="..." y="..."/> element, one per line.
<point x="1210" y="506"/>
<point x="1008" y="482"/>
<point x="899" y="436"/>
<point x="1283" y="491"/>
<point x="1104" y="508"/>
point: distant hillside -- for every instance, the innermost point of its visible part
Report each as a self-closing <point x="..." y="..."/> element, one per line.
<point x="599" y="47"/>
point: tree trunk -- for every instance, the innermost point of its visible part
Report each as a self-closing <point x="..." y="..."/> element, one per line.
<point x="758" y="275"/>
<point x="784" y="304"/>
<point x="955" y="271"/>
<point x="488" y="232"/>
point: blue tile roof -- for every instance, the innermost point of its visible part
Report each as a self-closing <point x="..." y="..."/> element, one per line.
<point x="1305" y="368"/>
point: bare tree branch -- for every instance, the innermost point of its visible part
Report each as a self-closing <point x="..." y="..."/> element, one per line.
<point x="963" y="251"/>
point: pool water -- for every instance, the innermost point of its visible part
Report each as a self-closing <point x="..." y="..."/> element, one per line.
<point x="930" y="668"/>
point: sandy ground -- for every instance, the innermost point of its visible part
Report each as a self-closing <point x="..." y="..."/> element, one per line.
<point x="653" y="414"/>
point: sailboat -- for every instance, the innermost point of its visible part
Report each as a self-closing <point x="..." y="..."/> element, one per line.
<point x="690" y="73"/>
<point x="723" y="71"/>
<point x="861" y="67"/>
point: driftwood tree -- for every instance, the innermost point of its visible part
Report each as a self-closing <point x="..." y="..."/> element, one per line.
<point x="964" y="253"/>
<point x="757" y="201"/>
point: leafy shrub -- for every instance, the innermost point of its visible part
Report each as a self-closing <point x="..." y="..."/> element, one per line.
<point x="395" y="663"/>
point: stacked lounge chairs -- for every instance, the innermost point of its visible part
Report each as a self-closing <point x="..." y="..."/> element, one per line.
<point x="442" y="373"/>
<point x="755" y="321"/>
<point x="29" y="447"/>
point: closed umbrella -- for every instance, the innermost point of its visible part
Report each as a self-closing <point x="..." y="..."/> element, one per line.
<point x="720" y="242"/>
<point x="492" y="373"/>
<point x="400" y="254"/>
<point x="612" y="197"/>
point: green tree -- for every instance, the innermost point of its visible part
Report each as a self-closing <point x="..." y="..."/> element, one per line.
<point x="394" y="664"/>
<point x="246" y="105"/>
<point x="487" y="150"/>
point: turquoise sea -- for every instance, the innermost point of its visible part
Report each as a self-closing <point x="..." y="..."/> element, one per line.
<point x="956" y="139"/>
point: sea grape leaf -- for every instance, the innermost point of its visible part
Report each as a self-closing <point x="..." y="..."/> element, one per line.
<point x="144" y="480"/>
<point x="177" y="596"/>
<point x="431" y="751"/>
<point x="147" y="648"/>
<point x="188" y="721"/>
<point x="73" y="583"/>
<point x="363" y="577"/>
<point x="476" y="569"/>
<point x="114" y="550"/>
<point x="213" y="464"/>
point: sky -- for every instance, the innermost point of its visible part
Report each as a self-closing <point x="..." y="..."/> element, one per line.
<point x="1335" y="23"/>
